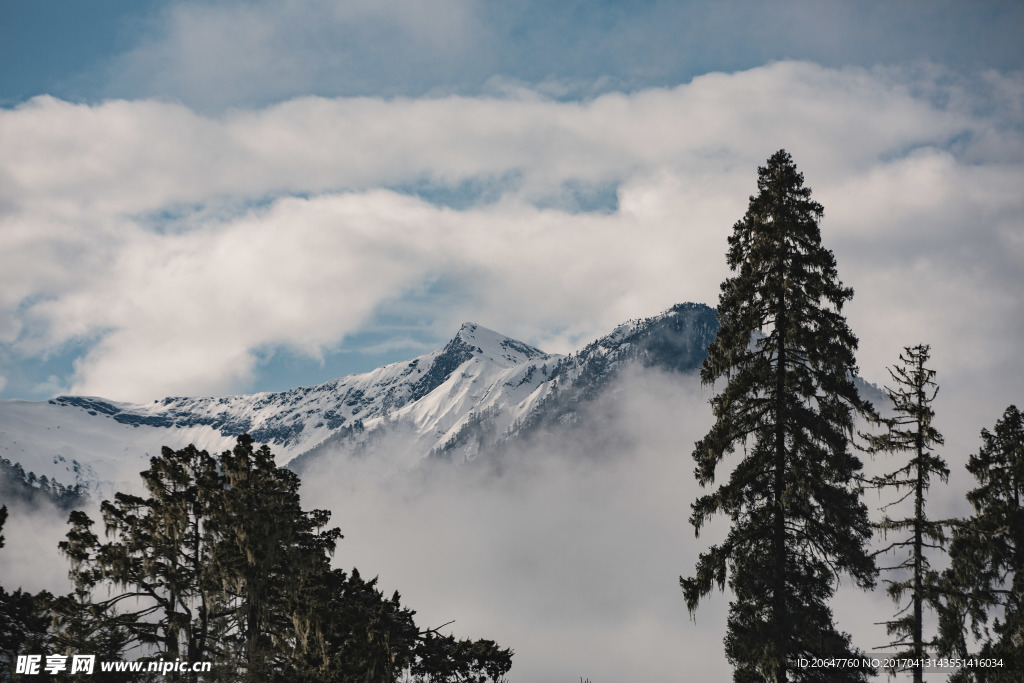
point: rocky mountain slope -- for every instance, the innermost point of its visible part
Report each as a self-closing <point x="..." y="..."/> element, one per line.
<point x="481" y="389"/>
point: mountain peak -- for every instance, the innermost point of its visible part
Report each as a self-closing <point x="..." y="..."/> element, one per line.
<point x="494" y="346"/>
<point x="468" y="394"/>
<point x="467" y="331"/>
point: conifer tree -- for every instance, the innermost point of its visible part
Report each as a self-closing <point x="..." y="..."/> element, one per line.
<point x="911" y="431"/>
<point x="789" y="401"/>
<point x="364" y="636"/>
<point x="80" y="624"/>
<point x="221" y="563"/>
<point x="24" y="619"/>
<point x="10" y="615"/>
<point x="268" y="551"/>
<point x="158" y="558"/>
<point x="442" y="659"/>
<point x="985" y="579"/>
<point x="207" y="566"/>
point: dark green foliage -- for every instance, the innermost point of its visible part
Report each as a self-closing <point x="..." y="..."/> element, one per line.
<point x="266" y="552"/>
<point x="24" y="619"/>
<point x="797" y="519"/>
<point x="157" y="559"/>
<point x="207" y="566"/>
<point x="911" y="431"/>
<point x="27" y="488"/>
<point x="219" y="562"/>
<point x="985" y="580"/>
<point x="442" y="659"/>
<point x="24" y="624"/>
<point x="365" y="636"/>
<point x="80" y="626"/>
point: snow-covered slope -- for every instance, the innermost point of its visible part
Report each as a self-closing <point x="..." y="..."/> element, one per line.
<point x="480" y="388"/>
<point x="72" y="443"/>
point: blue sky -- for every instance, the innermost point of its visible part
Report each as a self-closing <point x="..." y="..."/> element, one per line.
<point x="463" y="160"/>
<point x="145" y="48"/>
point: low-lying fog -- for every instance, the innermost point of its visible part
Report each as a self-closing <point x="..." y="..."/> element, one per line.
<point x="569" y="550"/>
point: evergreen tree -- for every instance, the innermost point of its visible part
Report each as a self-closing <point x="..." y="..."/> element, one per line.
<point x="208" y="566"/>
<point x="24" y="619"/>
<point x="985" y="579"/>
<point x="28" y="489"/>
<point x="442" y="659"/>
<point x="911" y="430"/>
<point x="268" y="554"/>
<point x="221" y="563"/>
<point x="790" y="402"/>
<point x="81" y="625"/>
<point x="365" y="636"/>
<point x="158" y="557"/>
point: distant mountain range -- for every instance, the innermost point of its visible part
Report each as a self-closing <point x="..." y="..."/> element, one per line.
<point x="478" y="393"/>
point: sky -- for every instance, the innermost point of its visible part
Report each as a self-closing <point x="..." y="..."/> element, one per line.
<point x="208" y="198"/>
<point x="201" y="198"/>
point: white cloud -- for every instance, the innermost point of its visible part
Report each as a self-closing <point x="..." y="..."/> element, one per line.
<point x="187" y="312"/>
<point x="571" y="555"/>
<point x="569" y="547"/>
<point x="173" y="242"/>
<point x="143" y="156"/>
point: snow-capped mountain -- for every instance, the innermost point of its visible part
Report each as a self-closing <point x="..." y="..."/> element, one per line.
<point x="480" y="389"/>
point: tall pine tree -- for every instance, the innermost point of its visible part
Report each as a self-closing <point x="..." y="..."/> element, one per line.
<point x="985" y="580"/>
<point x="910" y="431"/>
<point x="789" y="401"/>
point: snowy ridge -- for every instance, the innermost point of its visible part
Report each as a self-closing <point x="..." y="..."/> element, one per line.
<point x="73" y="445"/>
<point x="296" y="420"/>
<point x="675" y="340"/>
<point x="480" y="388"/>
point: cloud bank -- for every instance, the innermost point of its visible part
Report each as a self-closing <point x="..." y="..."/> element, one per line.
<point x="568" y="547"/>
<point x="569" y="551"/>
<point x="175" y="251"/>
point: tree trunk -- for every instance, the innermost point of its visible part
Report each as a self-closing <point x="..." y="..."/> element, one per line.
<point x="779" y="523"/>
